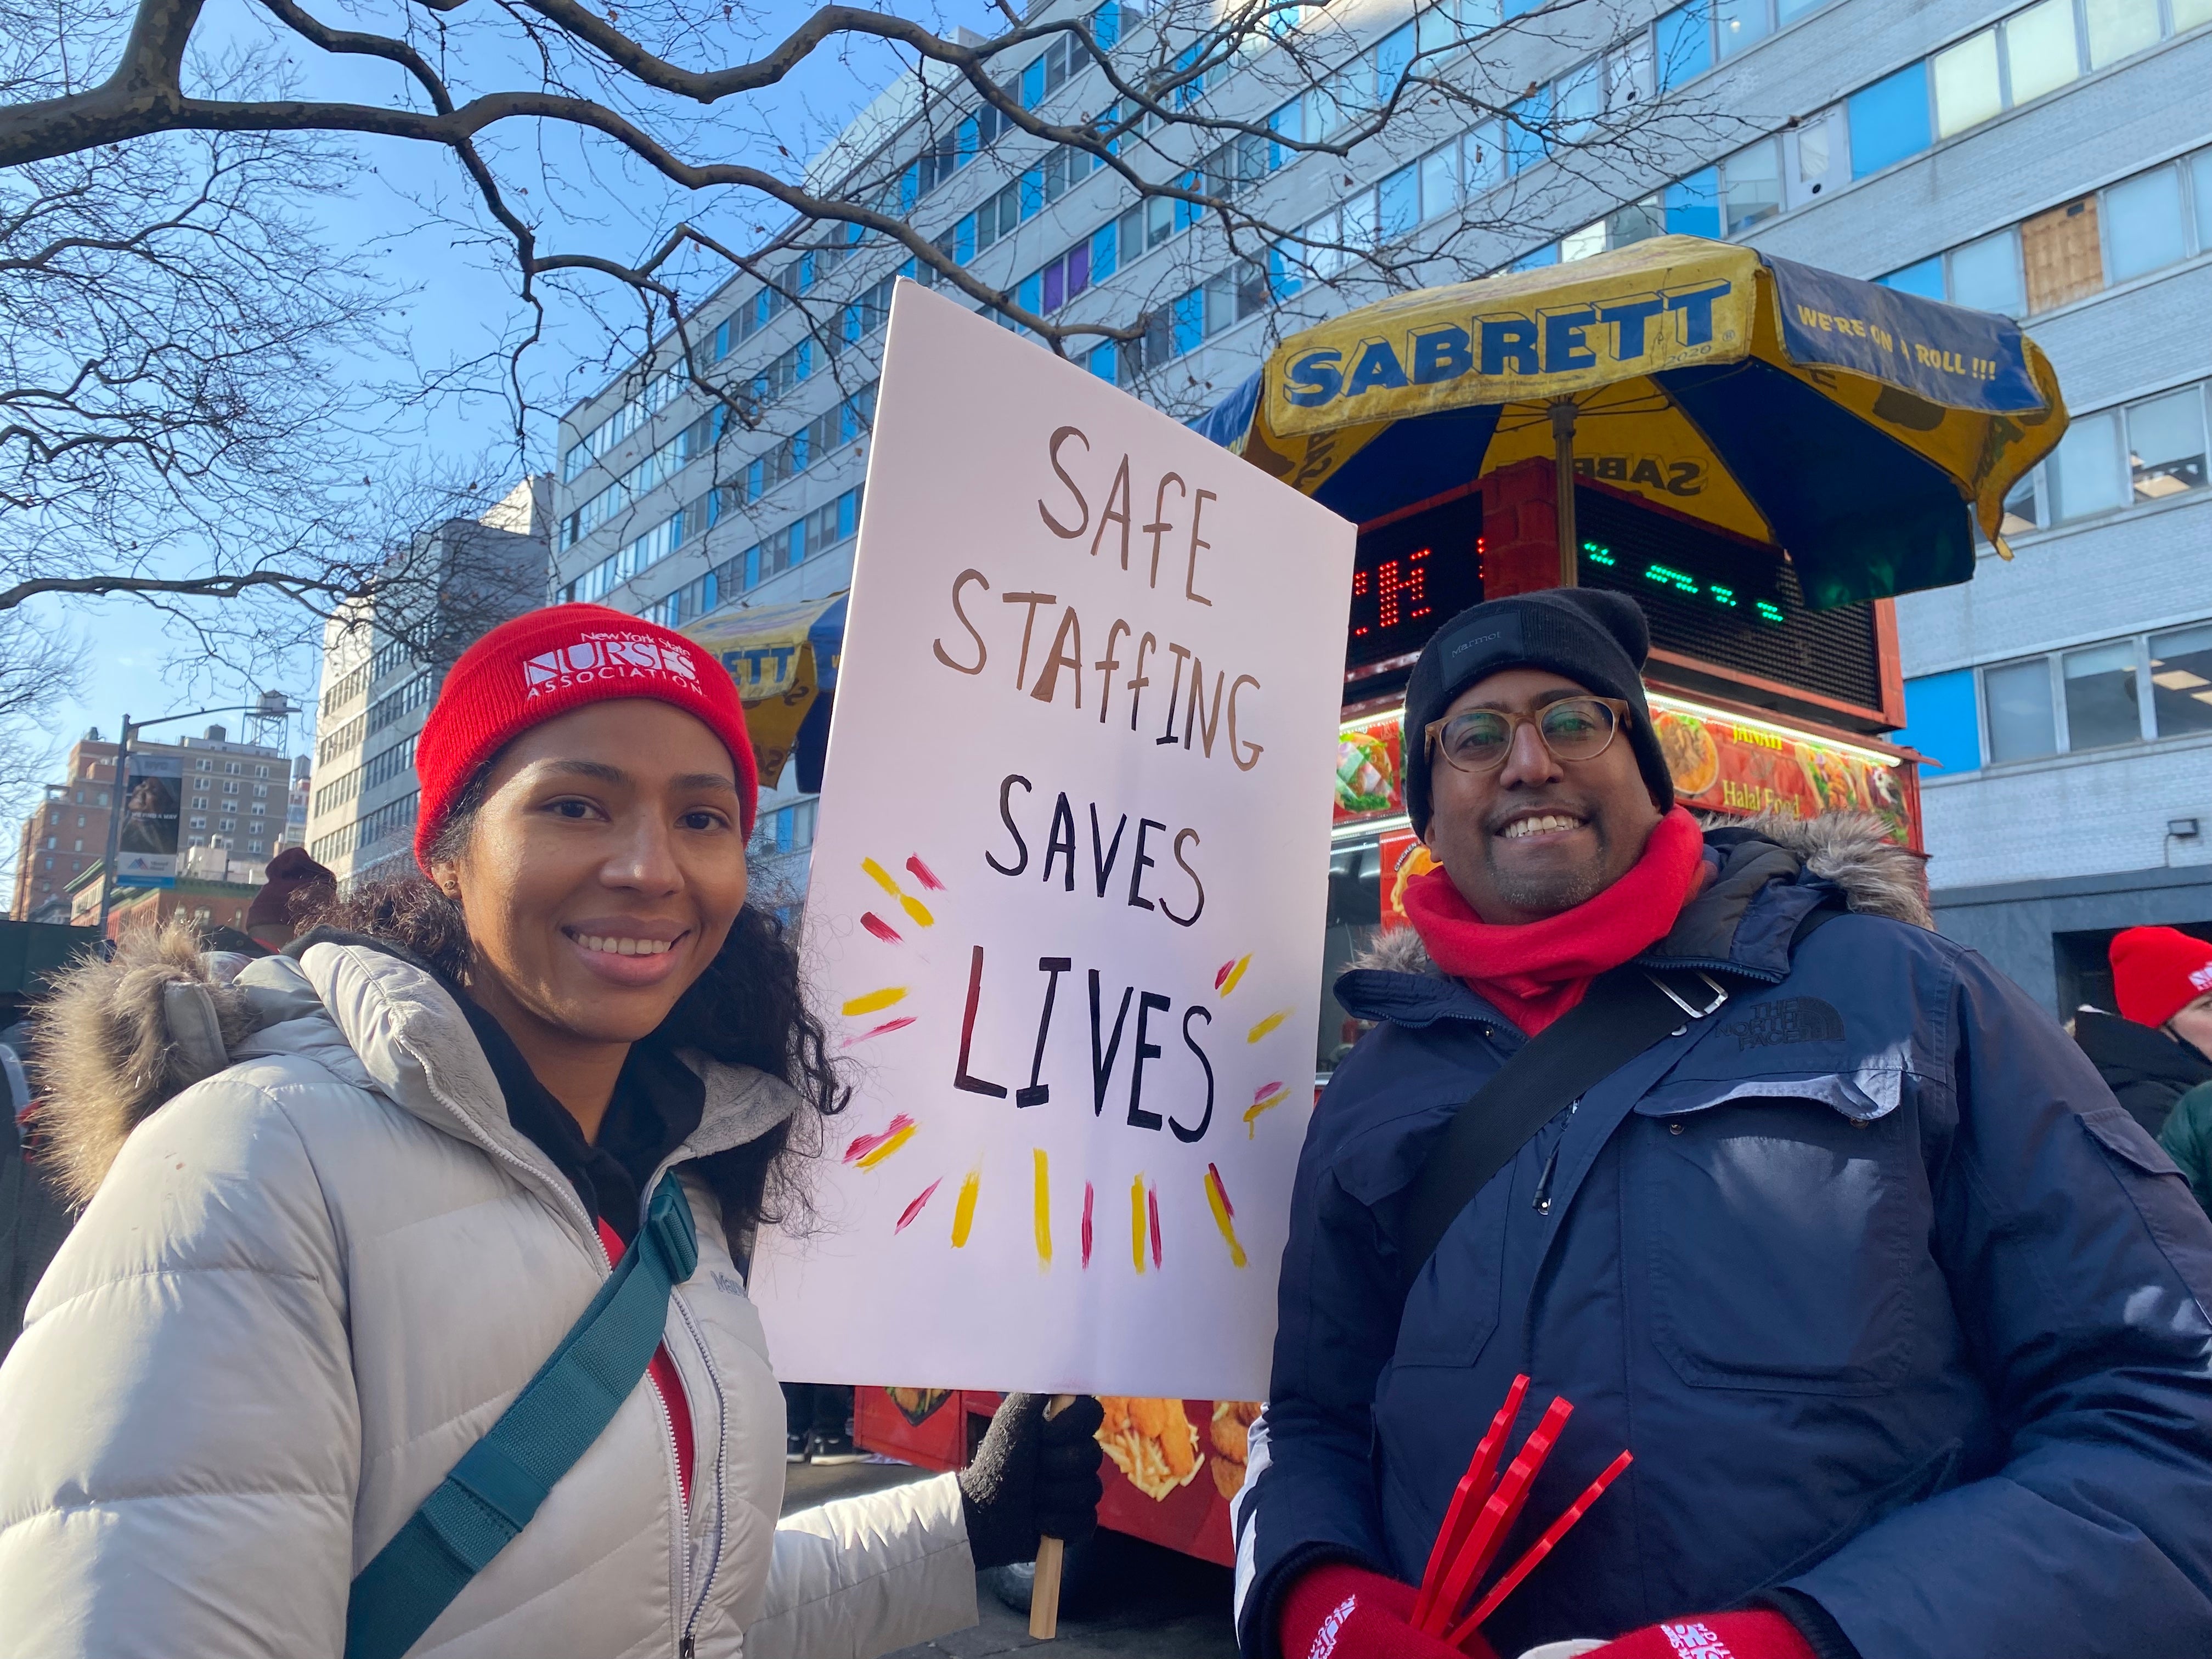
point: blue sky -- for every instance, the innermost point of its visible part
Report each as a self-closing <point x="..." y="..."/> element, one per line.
<point x="461" y="300"/>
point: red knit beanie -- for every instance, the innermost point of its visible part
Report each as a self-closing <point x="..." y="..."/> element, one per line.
<point x="2159" y="972"/>
<point x="546" y="664"/>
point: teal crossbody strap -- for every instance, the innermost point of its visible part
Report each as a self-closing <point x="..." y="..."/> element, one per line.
<point x="500" y="1481"/>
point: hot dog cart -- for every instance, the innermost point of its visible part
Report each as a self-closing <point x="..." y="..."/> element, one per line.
<point x="1764" y="455"/>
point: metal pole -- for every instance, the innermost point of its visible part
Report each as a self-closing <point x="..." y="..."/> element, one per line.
<point x="1563" y="488"/>
<point x="114" y="828"/>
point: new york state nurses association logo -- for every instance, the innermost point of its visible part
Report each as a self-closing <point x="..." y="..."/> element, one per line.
<point x="599" y="657"/>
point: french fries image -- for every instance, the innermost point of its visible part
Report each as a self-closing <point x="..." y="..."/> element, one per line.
<point x="1152" y="1441"/>
<point x="1231" y="1438"/>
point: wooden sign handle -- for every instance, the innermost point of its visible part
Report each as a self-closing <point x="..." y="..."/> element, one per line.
<point x="1044" y="1598"/>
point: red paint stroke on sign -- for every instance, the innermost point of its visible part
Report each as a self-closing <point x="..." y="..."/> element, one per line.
<point x="863" y="1144"/>
<point x="906" y="1215"/>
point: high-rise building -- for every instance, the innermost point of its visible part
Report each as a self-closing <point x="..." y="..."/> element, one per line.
<point x="233" y="806"/>
<point x="381" y="671"/>
<point x="2051" y="160"/>
<point x="295" y="803"/>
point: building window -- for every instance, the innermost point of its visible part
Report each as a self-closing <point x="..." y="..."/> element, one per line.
<point x="2100" y="696"/>
<point x="2041" y="52"/>
<point x="2119" y="29"/>
<point x="2144" y="230"/>
<point x="1751" y="185"/>
<point x="2018" y="699"/>
<point x="1985" y="275"/>
<point x="1889" y="120"/>
<point x="2181" y="681"/>
<point x="2131" y="691"/>
<point x="2165" y="451"/>
<point x="1968" y="90"/>
<point x="2084" y="471"/>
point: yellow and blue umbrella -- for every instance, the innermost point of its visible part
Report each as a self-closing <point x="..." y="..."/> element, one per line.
<point x="784" y="658"/>
<point x="1861" y="430"/>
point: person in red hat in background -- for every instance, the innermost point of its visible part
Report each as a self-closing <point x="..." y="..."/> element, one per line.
<point x="342" y="1208"/>
<point x="2160" y="1046"/>
<point x="2162" y="979"/>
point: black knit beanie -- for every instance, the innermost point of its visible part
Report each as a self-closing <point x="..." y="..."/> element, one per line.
<point x="1596" y="638"/>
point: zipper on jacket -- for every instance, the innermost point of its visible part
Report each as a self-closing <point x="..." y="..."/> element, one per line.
<point x="698" y="1602"/>
<point x="682" y="1539"/>
<point x="1543" y="1202"/>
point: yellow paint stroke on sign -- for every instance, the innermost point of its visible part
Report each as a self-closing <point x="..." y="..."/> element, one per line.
<point x="1137" y="1225"/>
<point x="890" y="1144"/>
<point x="1043" y="1206"/>
<point x="963" y="1210"/>
<point x="913" y="907"/>
<point x="1216" y="1198"/>
<point x="1265" y="1102"/>
<point x="1266" y="1025"/>
<point x="1236" y="973"/>
<point x="871" y="1002"/>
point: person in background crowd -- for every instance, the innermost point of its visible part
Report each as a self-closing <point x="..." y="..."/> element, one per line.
<point x="296" y="884"/>
<point x="1903" y="1319"/>
<point x="33" y="1218"/>
<point x="2146" y="1056"/>
<point x="2162" y="978"/>
<point x="818" y="1424"/>
<point x="344" y="1208"/>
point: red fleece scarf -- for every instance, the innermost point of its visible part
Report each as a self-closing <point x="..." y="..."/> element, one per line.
<point x="1534" y="973"/>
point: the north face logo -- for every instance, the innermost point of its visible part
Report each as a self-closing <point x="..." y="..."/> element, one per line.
<point x="1791" y="1020"/>
<point x="600" y="657"/>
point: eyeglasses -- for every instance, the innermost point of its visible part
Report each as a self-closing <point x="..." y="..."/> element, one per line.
<point x="1480" y="739"/>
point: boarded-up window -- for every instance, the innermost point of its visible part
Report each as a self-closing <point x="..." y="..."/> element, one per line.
<point x="2060" y="251"/>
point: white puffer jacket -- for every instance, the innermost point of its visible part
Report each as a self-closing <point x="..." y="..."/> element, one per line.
<point x="309" y="1282"/>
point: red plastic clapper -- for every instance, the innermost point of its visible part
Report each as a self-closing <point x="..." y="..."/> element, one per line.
<point x="1466" y="1501"/>
<point x="1542" y="1547"/>
<point x="1498" y="1515"/>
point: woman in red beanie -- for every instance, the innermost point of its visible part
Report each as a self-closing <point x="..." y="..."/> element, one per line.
<point x="2160" y="1046"/>
<point x="276" y="1396"/>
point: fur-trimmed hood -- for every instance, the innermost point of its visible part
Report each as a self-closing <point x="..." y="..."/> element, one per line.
<point x="1853" y="850"/>
<point x="119" y="1038"/>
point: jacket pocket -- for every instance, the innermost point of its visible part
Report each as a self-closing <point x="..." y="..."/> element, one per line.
<point x="1779" y="1221"/>
<point x="2154" y="1181"/>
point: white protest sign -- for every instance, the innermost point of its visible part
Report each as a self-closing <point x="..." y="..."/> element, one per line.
<point x="1068" y="888"/>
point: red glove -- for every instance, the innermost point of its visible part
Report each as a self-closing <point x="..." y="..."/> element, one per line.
<point x="1762" y="1634"/>
<point x="1340" y="1612"/>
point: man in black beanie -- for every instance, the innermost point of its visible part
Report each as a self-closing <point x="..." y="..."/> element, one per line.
<point x="1901" y="1316"/>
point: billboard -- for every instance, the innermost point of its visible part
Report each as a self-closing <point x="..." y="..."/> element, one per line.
<point x="146" y="844"/>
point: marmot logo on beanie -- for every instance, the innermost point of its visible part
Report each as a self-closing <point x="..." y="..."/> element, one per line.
<point x="598" y="656"/>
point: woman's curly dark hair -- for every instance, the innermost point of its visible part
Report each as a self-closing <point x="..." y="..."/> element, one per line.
<point x="748" y="1008"/>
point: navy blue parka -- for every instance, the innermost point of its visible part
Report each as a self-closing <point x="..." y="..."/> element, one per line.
<point x="1897" y="1308"/>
